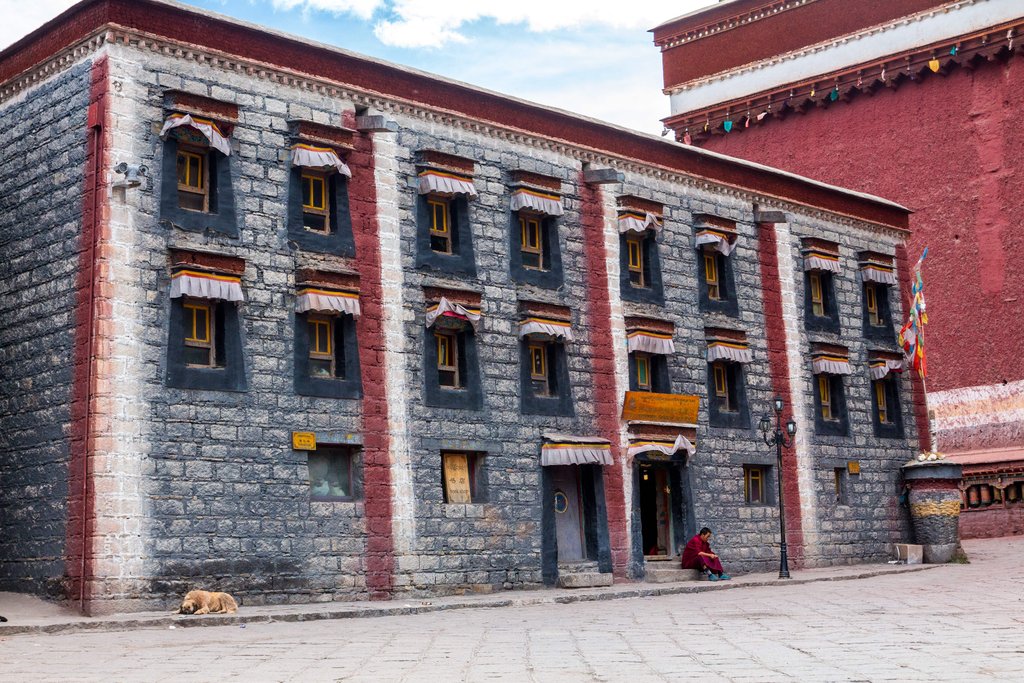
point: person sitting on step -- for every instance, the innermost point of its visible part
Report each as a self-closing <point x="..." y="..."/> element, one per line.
<point x="697" y="555"/>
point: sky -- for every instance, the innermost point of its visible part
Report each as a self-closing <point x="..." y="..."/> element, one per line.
<point x="593" y="57"/>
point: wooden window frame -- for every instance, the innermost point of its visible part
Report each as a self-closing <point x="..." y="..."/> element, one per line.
<point x="314" y="323"/>
<point x="881" y="401"/>
<point x="825" y="398"/>
<point x="203" y="188"/>
<point x="726" y="400"/>
<point x="190" y="306"/>
<point x="711" y="276"/>
<point x="817" y="294"/>
<point x="449" y="340"/>
<point x="871" y="302"/>
<point x="435" y="204"/>
<point x="322" y="212"/>
<point x="635" y="246"/>
<point x="526" y="222"/>
<point x="643" y="360"/>
<point x="540" y="350"/>
<point x="754" y="476"/>
<point x="840" y="484"/>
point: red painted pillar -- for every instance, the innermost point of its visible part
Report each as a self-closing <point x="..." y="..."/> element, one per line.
<point x="370" y="330"/>
<point x="81" y="493"/>
<point x="606" y="398"/>
<point x="778" y="367"/>
<point x="920" y="400"/>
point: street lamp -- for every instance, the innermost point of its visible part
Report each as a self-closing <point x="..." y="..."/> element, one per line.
<point x="778" y="438"/>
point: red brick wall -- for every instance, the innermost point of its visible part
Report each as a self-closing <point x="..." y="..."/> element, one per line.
<point x="950" y="148"/>
<point x="992" y="522"/>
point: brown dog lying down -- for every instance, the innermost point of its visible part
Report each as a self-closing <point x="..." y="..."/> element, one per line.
<point x="205" y="602"/>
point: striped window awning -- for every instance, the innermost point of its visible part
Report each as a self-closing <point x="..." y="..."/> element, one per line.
<point x="634" y="221"/>
<point x="561" y="449"/>
<point x="205" y="285"/>
<point x="878" y="368"/>
<point x="452" y="312"/>
<point x="206" y="127"/>
<point x="830" y="364"/>
<point x="735" y="351"/>
<point x="535" y="200"/>
<point x="650" y="342"/>
<point x="716" y="240"/>
<point x="324" y="300"/>
<point x="311" y="156"/>
<point x="556" y="329"/>
<point x="880" y="273"/>
<point x="432" y="181"/>
<point x="822" y="258"/>
<point x="667" y="447"/>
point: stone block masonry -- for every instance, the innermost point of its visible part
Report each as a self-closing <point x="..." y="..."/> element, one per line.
<point x="202" y="488"/>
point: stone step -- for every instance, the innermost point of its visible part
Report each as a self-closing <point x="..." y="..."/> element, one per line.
<point x="669" y="572"/>
<point x="583" y="579"/>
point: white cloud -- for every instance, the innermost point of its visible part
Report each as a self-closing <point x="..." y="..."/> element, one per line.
<point x="432" y="23"/>
<point x="21" y="18"/>
<point x="363" y="9"/>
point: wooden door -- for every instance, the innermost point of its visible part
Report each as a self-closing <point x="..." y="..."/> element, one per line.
<point x="568" y="513"/>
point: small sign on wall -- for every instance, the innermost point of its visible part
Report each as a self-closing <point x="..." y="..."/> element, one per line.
<point x="853" y="466"/>
<point x="304" y="441"/>
<point x="660" y="408"/>
<point x="456" y="478"/>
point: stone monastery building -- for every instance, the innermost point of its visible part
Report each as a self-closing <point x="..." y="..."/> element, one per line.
<point x="359" y="331"/>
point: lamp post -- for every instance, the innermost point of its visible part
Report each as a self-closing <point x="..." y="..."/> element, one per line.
<point x="779" y="438"/>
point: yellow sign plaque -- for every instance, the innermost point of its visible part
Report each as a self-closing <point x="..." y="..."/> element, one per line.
<point x="643" y="406"/>
<point x="853" y="466"/>
<point x="304" y="441"/>
<point x="456" y="477"/>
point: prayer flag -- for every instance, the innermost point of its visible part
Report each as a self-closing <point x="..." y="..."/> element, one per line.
<point x="911" y="336"/>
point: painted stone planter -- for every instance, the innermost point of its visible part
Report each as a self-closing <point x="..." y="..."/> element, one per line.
<point x="934" y="497"/>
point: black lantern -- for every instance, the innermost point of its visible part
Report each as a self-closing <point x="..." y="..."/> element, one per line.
<point x="779" y="438"/>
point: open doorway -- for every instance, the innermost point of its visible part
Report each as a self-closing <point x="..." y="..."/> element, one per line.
<point x="656" y="518"/>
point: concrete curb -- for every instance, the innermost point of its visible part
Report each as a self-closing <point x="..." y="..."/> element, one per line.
<point x="361" y="610"/>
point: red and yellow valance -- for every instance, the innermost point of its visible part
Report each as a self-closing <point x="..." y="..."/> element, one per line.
<point x="562" y="449"/>
<point x="636" y="221"/>
<point x="324" y="300"/>
<point x="433" y="181"/>
<point x="668" y="447"/>
<point x="205" y="285"/>
<point x="551" y="327"/>
<point x="312" y="156"/>
<point x="534" y="200"/>
<point x="445" y="310"/>
<point x="207" y="127"/>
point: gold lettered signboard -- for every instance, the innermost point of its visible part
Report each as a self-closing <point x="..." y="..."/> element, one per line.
<point x="643" y="406"/>
<point x="304" y="441"/>
<point x="456" y="477"/>
<point x="853" y="466"/>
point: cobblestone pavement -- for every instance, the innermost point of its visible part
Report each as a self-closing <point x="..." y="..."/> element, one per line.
<point x="953" y="623"/>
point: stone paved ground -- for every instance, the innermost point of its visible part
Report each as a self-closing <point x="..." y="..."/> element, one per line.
<point x="953" y="623"/>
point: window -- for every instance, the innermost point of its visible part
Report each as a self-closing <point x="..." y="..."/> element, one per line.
<point x="881" y="401"/>
<point x="825" y="397"/>
<point x="326" y="356"/>
<point x="531" y="242"/>
<point x="200" y="349"/>
<point x="711" y="276"/>
<point x="315" y="203"/>
<point x="643" y="371"/>
<point x="539" y="369"/>
<point x="817" y="294"/>
<point x="839" y="481"/>
<point x="193" y="187"/>
<point x="635" y="251"/>
<point x="330" y="474"/>
<point x="460" y="475"/>
<point x="722" y="396"/>
<point x="447" y="360"/>
<point x="754" y="489"/>
<point x="871" y="304"/>
<point x="440" y="225"/>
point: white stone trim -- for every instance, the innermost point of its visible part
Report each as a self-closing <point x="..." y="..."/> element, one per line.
<point x="957" y="409"/>
<point x="790" y="271"/>
<point x="877" y="42"/>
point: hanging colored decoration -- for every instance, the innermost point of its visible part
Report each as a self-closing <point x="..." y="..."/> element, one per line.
<point x="687" y="140"/>
<point x="727" y="124"/>
<point x="911" y="336"/>
<point x="954" y="50"/>
<point x="834" y="95"/>
<point x="934" y="65"/>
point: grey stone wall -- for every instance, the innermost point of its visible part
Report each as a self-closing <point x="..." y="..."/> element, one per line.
<point x="42" y="162"/>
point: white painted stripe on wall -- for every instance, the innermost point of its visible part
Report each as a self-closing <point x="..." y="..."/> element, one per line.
<point x="120" y="542"/>
<point x="789" y="269"/>
<point x="907" y="34"/>
<point x="618" y="331"/>
<point x="977" y="406"/>
<point x="403" y="502"/>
